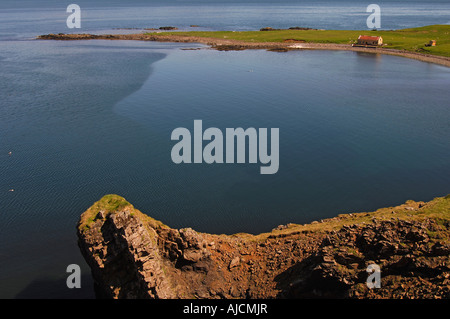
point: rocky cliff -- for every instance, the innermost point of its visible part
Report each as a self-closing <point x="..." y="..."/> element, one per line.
<point x="132" y="255"/>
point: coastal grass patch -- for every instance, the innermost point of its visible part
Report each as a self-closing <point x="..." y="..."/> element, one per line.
<point x="413" y="39"/>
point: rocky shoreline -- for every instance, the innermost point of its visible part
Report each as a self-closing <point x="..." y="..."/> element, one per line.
<point x="132" y="255"/>
<point x="227" y="44"/>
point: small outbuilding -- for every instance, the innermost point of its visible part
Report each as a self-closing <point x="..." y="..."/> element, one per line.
<point x="369" y="40"/>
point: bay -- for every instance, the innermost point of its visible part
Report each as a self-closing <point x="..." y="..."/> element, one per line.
<point x="88" y="118"/>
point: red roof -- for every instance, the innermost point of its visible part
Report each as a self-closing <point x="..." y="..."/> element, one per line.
<point x="368" y="37"/>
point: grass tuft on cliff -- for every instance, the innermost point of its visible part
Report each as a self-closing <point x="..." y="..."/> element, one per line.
<point x="110" y="204"/>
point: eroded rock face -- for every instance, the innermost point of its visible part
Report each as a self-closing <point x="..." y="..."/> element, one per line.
<point x="124" y="258"/>
<point x="134" y="256"/>
<point x="410" y="266"/>
<point x="130" y="258"/>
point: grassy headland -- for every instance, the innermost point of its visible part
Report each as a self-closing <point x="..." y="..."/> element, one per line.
<point x="409" y="43"/>
<point x="412" y="40"/>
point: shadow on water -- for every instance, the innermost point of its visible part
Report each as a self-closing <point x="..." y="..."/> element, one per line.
<point x="47" y="288"/>
<point x="60" y="102"/>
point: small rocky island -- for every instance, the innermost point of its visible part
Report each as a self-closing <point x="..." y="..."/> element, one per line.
<point x="132" y="255"/>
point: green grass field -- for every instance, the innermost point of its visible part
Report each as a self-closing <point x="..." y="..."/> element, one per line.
<point x="406" y="39"/>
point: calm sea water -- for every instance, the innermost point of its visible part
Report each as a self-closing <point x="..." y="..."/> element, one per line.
<point x="88" y="118"/>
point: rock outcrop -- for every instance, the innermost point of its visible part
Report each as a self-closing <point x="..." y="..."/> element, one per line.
<point x="412" y="266"/>
<point x="132" y="255"/>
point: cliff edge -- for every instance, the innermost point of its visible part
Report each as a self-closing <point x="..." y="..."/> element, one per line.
<point x="132" y="255"/>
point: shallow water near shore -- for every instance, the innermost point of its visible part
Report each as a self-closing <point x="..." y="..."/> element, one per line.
<point x="87" y="118"/>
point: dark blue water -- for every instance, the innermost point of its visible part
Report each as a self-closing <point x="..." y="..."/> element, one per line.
<point x="88" y="118"/>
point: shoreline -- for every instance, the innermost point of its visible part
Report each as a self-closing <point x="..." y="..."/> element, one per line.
<point x="233" y="45"/>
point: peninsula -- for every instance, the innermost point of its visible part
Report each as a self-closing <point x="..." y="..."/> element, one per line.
<point x="411" y="43"/>
<point x="132" y="255"/>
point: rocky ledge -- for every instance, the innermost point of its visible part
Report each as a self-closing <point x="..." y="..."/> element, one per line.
<point x="132" y="255"/>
